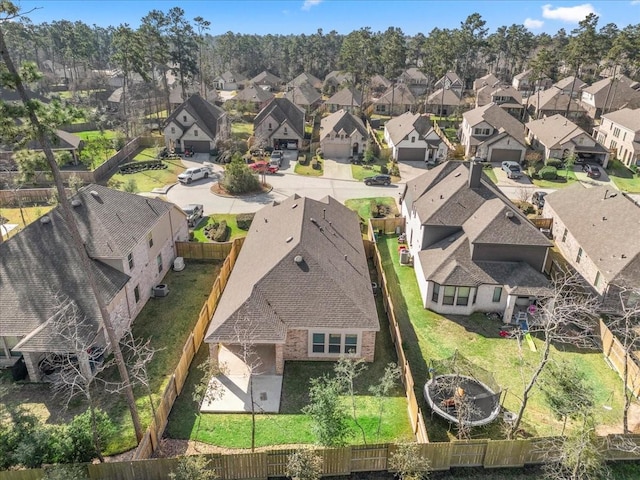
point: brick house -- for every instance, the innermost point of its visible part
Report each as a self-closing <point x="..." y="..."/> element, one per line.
<point x="308" y="295"/>
<point x="280" y="124"/>
<point x="472" y="249"/>
<point x="342" y="135"/>
<point x="130" y="240"/>
<point x="620" y="131"/>
<point x="412" y="137"/>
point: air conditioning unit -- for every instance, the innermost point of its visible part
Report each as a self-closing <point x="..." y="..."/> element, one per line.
<point x="161" y="290"/>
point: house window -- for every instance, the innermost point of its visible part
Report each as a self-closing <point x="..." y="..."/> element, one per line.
<point x="341" y="136"/>
<point x="616" y="132"/>
<point x="497" y="294"/>
<point x="318" y="343"/>
<point x="564" y="235"/>
<point x="449" y="295"/>
<point x="195" y="133"/>
<point x="184" y="118"/>
<point x="159" y="262"/>
<point x="285" y="130"/>
<point x="173" y="129"/>
<point x="435" y="296"/>
<point x="130" y="260"/>
<point x="270" y="128"/>
<point x="150" y="239"/>
<point x="413" y="139"/>
<point x="136" y="293"/>
<point x="598" y="279"/>
<point x="463" y="296"/>
<point x="579" y="256"/>
<point x="334" y="343"/>
<point x="351" y="344"/>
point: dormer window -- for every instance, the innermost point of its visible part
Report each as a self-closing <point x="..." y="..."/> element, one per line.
<point x="195" y="133"/>
<point x="184" y="118"/>
<point x="270" y="128"/>
<point x="173" y="129"/>
<point x="285" y="130"/>
<point x="413" y="139"/>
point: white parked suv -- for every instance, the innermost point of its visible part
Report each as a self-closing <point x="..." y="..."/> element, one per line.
<point x="512" y="169"/>
<point x="276" y="158"/>
<point x="194" y="173"/>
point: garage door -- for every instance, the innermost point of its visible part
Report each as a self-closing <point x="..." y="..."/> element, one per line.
<point x="408" y="154"/>
<point x="198" y="146"/>
<point x="504" y="155"/>
<point x="332" y="150"/>
<point x="285" y="144"/>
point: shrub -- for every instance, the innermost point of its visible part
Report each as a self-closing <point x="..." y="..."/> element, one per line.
<point x="244" y="220"/>
<point x="384" y="169"/>
<point x="553" y="162"/>
<point x="315" y="164"/>
<point x="221" y="233"/>
<point x="548" y="173"/>
<point x="302" y="159"/>
<point x="369" y="155"/>
<point x="119" y="141"/>
<point x="131" y="186"/>
<point x="239" y="178"/>
<point x="394" y="170"/>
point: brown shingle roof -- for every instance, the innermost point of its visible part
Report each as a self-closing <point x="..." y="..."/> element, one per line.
<point x="270" y="290"/>
<point x="347" y="97"/>
<point x="498" y="118"/>
<point x="207" y="114"/>
<point x="401" y="126"/>
<point x="283" y="110"/>
<point x="627" y="118"/>
<point x="341" y="121"/>
<point x="303" y="94"/>
<point x="398" y="95"/>
<point x="254" y="94"/>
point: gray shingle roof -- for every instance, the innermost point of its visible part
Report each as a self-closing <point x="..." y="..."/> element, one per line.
<point x="611" y="244"/>
<point x="346" y="97"/>
<point x="305" y="77"/>
<point x="341" y="121"/>
<point x="398" y="95"/>
<point x="450" y="97"/>
<point x="627" y="117"/>
<point x="229" y="76"/>
<point x="452" y="78"/>
<point x="554" y="131"/>
<point x="489" y="79"/>
<point x="37" y="264"/>
<point x="620" y="94"/>
<point x="553" y="99"/>
<point x="303" y="94"/>
<point x="267" y="78"/>
<point x="254" y="94"/>
<point x="565" y="84"/>
<point x="269" y="292"/>
<point x="401" y="126"/>
<point x="207" y="114"/>
<point x="283" y="110"/>
<point x="498" y="118"/>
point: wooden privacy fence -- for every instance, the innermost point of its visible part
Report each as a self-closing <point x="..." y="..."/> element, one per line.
<point x="444" y="138"/>
<point x="385" y="226"/>
<point x="345" y="461"/>
<point x="205" y="251"/>
<point x="615" y="353"/>
<point x="153" y="434"/>
<point x="28" y="196"/>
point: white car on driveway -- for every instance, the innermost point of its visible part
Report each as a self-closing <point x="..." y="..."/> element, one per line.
<point x="512" y="169"/>
<point x="192" y="174"/>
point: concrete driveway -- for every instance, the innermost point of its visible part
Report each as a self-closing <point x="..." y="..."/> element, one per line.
<point x="338" y="169"/>
<point x="502" y="178"/>
<point x="603" y="181"/>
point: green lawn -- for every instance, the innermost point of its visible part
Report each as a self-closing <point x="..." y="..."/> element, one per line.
<point x="624" y="178"/>
<point x="362" y="206"/>
<point x="308" y="170"/>
<point x="167" y="323"/>
<point x="565" y="179"/>
<point x="491" y="174"/>
<point x="451" y="134"/>
<point x="87" y="134"/>
<point x="291" y="426"/>
<point x="428" y="335"/>
<point x="29" y="214"/>
<point x="241" y="130"/>
<point x="360" y="172"/>
<point x="149" y="179"/>
<point x="198" y="232"/>
<point x="380" y="137"/>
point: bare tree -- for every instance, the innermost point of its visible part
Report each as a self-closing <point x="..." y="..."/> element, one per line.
<point x="208" y="389"/>
<point x="347" y="370"/>
<point x="407" y="462"/>
<point x="383" y="388"/>
<point x="304" y="464"/>
<point x="565" y="314"/>
<point x="456" y="399"/>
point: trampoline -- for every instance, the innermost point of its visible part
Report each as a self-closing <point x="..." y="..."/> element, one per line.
<point x="461" y="392"/>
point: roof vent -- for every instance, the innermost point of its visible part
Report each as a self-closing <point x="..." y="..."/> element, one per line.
<point x="298" y="259"/>
<point x="289" y="239"/>
<point x="76" y="202"/>
<point x="45" y="219"/>
<point x="508" y="214"/>
<point x="314" y="221"/>
<point x="294" y="205"/>
<point x="94" y="194"/>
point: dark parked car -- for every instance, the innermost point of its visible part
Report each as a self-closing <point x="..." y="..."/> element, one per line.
<point x="592" y="170"/>
<point x="378" y="180"/>
<point x="538" y="199"/>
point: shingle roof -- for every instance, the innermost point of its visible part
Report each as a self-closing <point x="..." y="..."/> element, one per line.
<point x="553" y="99"/>
<point x="450" y="97"/>
<point x="605" y="223"/>
<point x="254" y="94"/>
<point x="627" y="118"/>
<point x="498" y="118"/>
<point x="229" y="76"/>
<point x="554" y="131"/>
<point x="305" y="77"/>
<point x="398" y="95"/>
<point x="303" y="94"/>
<point x="38" y="263"/>
<point x="617" y="94"/>
<point x="206" y="114"/>
<point x="270" y="291"/>
<point x="337" y="77"/>
<point x="565" y="83"/>
<point x="452" y="77"/>
<point x="283" y="110"/>
<point x="341" y="121"/>
<point x="401" y="126"/>
<point x="266" y="78"/>
<point x="489" y="79"/>
<point x="414" y="74"/>
<point x="346" y="97"/>
<point x="378" y="80"/>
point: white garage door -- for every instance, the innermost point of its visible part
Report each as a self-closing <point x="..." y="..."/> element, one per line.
<point x="336" y="150"/>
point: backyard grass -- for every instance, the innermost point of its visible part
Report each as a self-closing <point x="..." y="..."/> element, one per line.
<point x="362" y="206"/>
<point x="428" y="335"/>
<point x="491" y="174"/>
<point x="241" y="130"/>
<point x="308" y="170"/>
<point x="625" y="179"/>
<point x="565" y="179"/>
<point x="30" y="214"/>
<point x="291" y="426"/>
<point x="88" y="134"/>
<point x="166" y="322"/>
<point x="451" y="134"/>
<point x="235" y="232"/>
<point x="149" y="179"/>
<point x="380" y="137"/>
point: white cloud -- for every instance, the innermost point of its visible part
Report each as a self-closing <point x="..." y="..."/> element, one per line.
<point x="310" y="3"/>
<point x="635" y="2"/>
<point x="533" y="24"/>
<point x="568" y="14"/>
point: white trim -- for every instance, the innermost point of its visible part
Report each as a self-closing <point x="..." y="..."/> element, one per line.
<point x="333" y="331"/>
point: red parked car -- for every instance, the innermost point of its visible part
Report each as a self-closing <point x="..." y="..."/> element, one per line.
<point x="263" y="167"/>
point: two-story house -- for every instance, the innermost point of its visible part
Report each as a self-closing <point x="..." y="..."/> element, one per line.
<point x="395" y="101"/>
<point x="450" y="81"/>
<point x="596" y="230"/>
<point x="415" y="80"/>
<point x="342" y="135"/>
<point x="472" y="249"/>
<point x="506" y="96"/>
<point x="620" y="132"/>
<point x="492" y="134"/>
<point x="443" y="102"/>
<point x="130" y="240"/>
<point x="571" y="86"/>
<point x="229" y="80"/>
<point x="489" y="80"/>
<point x="554" y="101"/>
<point x="609" y="95"/>
<point x="348" y="98"/>
<point x="197" y="125"/>
<point x="280" y="124"/>
<point x="411" y="137"/>
<point x="558" y="137"/>
<point x="525" y="82"/>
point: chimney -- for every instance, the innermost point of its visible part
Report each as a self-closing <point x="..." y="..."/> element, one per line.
<point x="475" y="173"/>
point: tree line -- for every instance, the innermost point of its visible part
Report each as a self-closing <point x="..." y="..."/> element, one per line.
<point x="170" y="38"/>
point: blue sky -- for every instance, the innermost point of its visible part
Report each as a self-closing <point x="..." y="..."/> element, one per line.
<point x="306" y="16"/>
